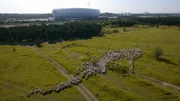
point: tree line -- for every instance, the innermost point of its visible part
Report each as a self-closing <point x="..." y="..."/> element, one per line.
<point x="24" y="16"/>
<point x="67" y="31"/>
<point x="130" y="21"/>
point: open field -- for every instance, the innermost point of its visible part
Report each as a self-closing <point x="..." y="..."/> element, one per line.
<point x="113" y="86"/>
<point x="25" y="69"/>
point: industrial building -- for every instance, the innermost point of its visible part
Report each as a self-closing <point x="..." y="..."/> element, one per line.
<point x="76" y="13"/>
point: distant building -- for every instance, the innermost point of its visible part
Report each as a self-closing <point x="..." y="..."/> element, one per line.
<point x="76" y="13"/>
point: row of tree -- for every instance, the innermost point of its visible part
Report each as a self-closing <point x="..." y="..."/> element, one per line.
<point x="158" y="20"/>
<point x="130" y="21"/>
<point x="70" y="30"/>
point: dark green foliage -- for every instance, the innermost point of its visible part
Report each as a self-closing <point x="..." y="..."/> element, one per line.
<point x="167" y="61"/>
<point x="14" y="49"/>
<point x="71" y="30"/>
<point x="158" y="52"/>
<point x="168" y="93"/>
<point x="158" y="20"/>
<point x="124" y="29"/>
<point x="121" y="23"/>
<point x="131" y="21"/>
<point x="38" y="43"/>
<point x="115" y="31"/>
<point x="157" y="26"/>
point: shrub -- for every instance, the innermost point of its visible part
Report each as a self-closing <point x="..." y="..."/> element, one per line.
<point x="158" y="52"/>
<point x="115" y="31"/>
<point x="157" y="26"/>
<point x="124" y="29"/>
<point x="179" y="61"/>
<point x="14" y="49"/>
<point x="38" y="43"/>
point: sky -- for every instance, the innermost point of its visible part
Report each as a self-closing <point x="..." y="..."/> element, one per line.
<point x="114" y="6"/>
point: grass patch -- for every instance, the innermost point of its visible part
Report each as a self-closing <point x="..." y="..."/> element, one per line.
<point x="24" y="70"/>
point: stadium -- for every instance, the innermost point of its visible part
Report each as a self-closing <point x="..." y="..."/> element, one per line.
<point x="76" y="13"/>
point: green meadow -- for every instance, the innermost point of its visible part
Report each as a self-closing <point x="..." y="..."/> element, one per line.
<point x="22" y="69"/>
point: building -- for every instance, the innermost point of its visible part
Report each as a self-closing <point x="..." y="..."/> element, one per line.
<point x="76" y="13"/>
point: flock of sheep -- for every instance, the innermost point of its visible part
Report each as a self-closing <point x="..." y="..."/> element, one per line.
<point x="89" y="69"/>
<point x="75" y="81"/>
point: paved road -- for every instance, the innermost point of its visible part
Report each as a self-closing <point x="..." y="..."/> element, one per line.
<point x="82" y="89"/>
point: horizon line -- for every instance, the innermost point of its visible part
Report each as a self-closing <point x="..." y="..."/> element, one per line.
<point x="105" y="12"/>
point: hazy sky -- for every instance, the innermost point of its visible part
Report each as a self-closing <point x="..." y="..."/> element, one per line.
<point x="116" y="6"/>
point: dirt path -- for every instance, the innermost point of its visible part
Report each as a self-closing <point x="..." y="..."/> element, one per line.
<point x="82" y="89"/>
<point x="156" y="81"/>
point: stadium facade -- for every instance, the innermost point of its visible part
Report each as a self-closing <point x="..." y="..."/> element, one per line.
<point x="76" y="13"/>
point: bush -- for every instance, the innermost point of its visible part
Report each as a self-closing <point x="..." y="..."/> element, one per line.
<point x="158" y="52"/>
<point x="14" y="49"/>
<point x="157" y="26"/>
<point x="38" y="43"/>
<point x="124" y="29"/>
<point x="179" y="61"/>
<point x="115" y="31"/>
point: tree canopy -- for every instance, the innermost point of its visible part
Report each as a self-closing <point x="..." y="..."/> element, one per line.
<point x="70" y="30"/>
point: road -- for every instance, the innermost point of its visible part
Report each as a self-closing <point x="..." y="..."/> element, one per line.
<point x="82" y="89"/>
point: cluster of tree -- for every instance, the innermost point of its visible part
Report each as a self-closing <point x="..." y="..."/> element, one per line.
<point x="70" y="30"/>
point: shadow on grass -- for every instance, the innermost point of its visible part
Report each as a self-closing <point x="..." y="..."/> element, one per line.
<point x="167" y="61"/>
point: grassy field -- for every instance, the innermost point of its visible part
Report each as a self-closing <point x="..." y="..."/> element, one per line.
<point x="23" y="70"/>
<point x="114" y="86"/>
